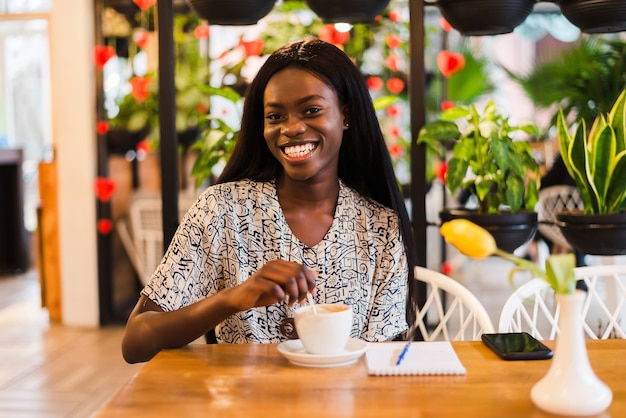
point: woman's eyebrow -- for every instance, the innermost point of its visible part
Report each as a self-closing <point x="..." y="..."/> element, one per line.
<point x="299" y="101"/>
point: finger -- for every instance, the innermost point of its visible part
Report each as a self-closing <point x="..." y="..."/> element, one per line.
<point x="292" y="288"/>
<point x="305" y="280"/>
<point x="311" y="279"/>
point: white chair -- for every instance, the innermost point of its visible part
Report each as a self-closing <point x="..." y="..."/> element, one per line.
<point x="532" y="308"/>
<point x="552" y="200"/>
<point x="451" y="312"/>
<point x="142" y="232"/>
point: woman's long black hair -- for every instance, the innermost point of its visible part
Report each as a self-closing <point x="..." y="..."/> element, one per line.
<point x="364" y="161"/>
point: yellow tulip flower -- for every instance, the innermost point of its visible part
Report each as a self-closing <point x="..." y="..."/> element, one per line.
<point x="469" y="238"/>
<point x="474" y="241"/>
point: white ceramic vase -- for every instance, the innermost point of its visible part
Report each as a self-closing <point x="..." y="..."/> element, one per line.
<point x="571" y="387"/>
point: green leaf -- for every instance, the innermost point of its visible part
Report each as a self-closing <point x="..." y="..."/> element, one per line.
<point x="601" y="162"/>
<point x="384" y="101"/>
<point x="616" y="190"/>
<point x="454" y="114"/>
<point x="225" y="92"/>
<point x="532" y="194"/>
<point x="577" y="154"/>
<point x="617" y="119"/>
<point x="560" y="273"/>
<point x="457" y="169"/>
<point x="465" y="86"/>
<point x="483" y="188"/>
<point x="565" y="140"/>
<point x="501" y="154"/>
<point x="438" y="131"/>
<point x="514" y="192"/>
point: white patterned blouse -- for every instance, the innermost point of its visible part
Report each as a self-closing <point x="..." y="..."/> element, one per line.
<point x="235" y="228"/>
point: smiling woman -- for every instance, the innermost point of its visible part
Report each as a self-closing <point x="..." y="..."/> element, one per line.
<point x="314" y="207"/>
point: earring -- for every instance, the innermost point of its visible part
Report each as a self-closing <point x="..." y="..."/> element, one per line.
<point x="346" y="124"/>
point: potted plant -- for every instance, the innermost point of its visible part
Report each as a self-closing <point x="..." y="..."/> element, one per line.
<point x="596" y="160"/>
<point x="500" y="173"/>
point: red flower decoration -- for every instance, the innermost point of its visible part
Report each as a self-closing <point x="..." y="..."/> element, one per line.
<point x="105" y="226"/>
<point x="140" y="88"/>
<point x="144" y="4"/>
<point x="450" y="62"/>
<point x="202" y="32"/>
<point x="104" y="188"/>
<point x="445" y="25"/>
<point x="396" y="150"/>
<point x="252" y="48"/>
<point x="441" y="168"/>
<point x="393" y="62"/>
<point x="142" y="38"/>
<point x="394" y="132"/>
<point x="374" y="83"/>
<point x="393" y="41"/>
<point x="102" y="127"/>
<point x="395" y="85"/>
<point x="446" y="268"/>
<point x="329" y="34"/>
<point x="143" y="146"/>
<point x="202" y="108"/>
<point x="393" y="111"/>
<point x="446" y="105"/>
<point x="101" y="54"/>
<point x="395" y="16"/>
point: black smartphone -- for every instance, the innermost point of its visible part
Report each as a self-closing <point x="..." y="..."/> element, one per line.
<point x="517" y="346"/>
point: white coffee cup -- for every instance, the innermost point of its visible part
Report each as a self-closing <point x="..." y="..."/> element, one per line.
<point x="325" y="332"/>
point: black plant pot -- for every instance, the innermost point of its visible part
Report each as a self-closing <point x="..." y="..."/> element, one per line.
<point x="231" y="12"/>
<point x="594" y="234"/>
<point x="348" y="11"/>
<point x="120" y="141"/>
<point x="510" y="230"/>
<point x="485" y="17"/>
<point x="595" y="16"/>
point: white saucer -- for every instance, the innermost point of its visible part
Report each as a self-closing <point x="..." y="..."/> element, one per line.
<point x="294" y="352"/>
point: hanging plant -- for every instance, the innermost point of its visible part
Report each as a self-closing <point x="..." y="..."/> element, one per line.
<point x="484" y="17"/>
<point x="347" y="11"/>
<point x="231" y="12"/>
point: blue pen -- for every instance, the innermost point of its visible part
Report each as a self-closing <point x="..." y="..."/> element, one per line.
<point x="403" y="353"/>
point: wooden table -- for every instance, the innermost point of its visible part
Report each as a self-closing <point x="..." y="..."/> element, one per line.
<point x="255" y="380"/>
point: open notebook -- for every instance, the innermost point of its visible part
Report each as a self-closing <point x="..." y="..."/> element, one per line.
<point x="422" y="358"/>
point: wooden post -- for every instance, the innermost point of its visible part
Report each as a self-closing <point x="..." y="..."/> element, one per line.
<point x="48" y="237"/>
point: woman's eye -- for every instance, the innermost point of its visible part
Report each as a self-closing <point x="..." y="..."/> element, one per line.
<point x="273" y="116"/>
<point x="312" y="110"/>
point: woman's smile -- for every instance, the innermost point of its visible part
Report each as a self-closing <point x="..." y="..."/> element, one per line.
<point x="299" y="152"/>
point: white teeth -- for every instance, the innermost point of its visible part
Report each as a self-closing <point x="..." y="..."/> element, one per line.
<point x="299" y="150"/>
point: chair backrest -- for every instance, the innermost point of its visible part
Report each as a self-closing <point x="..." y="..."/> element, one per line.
<point x="532" y="307"/>
<point x="604" y="309"/>
<point x="142" y="233"/>
<point x="451" y="312"/>
<point x="552" y="200"/>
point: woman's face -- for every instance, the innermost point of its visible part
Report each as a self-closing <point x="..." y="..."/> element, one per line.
<point x="303" y="124"/>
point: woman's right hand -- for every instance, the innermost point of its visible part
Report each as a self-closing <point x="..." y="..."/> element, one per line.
<point x="274" y="282"/>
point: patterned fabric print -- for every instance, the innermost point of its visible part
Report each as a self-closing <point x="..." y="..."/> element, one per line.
<point x="235" y="228"/>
